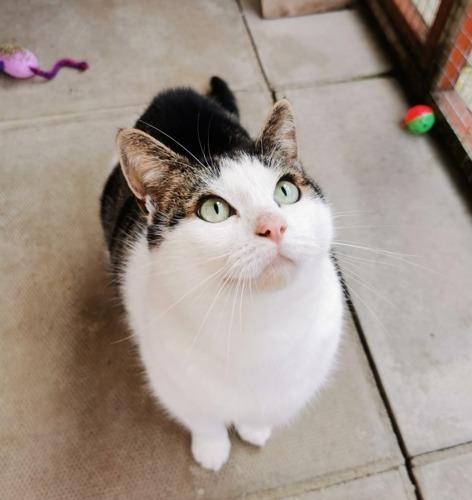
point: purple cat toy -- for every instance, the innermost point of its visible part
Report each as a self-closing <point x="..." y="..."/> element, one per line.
<point x="21" y="63"/>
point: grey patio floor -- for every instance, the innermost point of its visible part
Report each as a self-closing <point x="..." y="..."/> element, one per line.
<point x="75" y="419"/>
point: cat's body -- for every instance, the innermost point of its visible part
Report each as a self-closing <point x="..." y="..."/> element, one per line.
<point x="237" y="320"/>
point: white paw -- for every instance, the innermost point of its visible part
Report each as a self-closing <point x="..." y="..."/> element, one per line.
<point x="211" y="453"/>
<point x="257" y="436"/>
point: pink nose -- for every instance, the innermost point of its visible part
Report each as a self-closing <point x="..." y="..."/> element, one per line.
<point x="271" y="226"/>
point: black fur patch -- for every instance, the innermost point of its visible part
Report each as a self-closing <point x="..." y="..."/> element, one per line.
<point x="194" y="125"/>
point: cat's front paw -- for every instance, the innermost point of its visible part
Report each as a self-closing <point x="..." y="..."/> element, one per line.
<point x="257" y="436"/>
<point x="211" y="453"/>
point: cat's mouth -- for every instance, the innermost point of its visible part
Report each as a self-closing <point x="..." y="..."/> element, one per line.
<point x="279" y="260"/>
<point x="276" y="273"/>
<point x="266" y="271"/>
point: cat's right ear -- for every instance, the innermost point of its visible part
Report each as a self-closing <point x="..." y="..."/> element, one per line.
<point x="144" y="162"/>
<point x="278" y="137"/>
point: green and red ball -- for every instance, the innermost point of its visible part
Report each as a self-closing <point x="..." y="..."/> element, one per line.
<point x="420" y="119"/>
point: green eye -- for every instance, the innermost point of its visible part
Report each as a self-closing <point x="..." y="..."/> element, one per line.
<point x="214" y="210"/>
<point x="286" y="192"/>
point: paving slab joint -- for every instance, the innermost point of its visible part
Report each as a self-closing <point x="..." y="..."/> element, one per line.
<point x="381" y="388"/>
<point x="325" y="83"/>
<point x="256" y="52"/>
<point x="442" y="453"/>
<point x="319" y="483"/>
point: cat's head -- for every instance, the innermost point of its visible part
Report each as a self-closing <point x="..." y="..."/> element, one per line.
<point x="254" y="215"/>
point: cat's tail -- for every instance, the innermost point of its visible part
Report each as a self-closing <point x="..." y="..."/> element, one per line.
<point x="220" y="91"/>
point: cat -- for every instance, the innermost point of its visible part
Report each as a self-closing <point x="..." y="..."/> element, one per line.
<point x="221" y="248"/>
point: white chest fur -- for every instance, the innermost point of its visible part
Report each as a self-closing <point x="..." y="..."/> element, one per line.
<point x="228" y="354"/>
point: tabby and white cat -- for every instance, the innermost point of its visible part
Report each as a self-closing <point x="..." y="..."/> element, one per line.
<point x="221" y="246"/>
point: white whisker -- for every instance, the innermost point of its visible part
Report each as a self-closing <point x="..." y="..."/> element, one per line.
<point x="359" y="279"/>
<point x="172" y="139"/>
<point x="374" y="226"/>
<point x="202" y="324"/>
<point x="352" y="258"/>
<point x="208" y="140"/>
<point x="122" y="340"/>
<point x="229" y="289"/>
<point x="186" y="267"/>
<point x="335" y="215"/>
<point x="241" y="303"/>
<point x="199" y="140"/>
<point x="391" y="255"/>
<point x="351" y="290"/>
<point x="193" y="289"/>
<point x="373" y="249"/>
<point x="228" y="345"/>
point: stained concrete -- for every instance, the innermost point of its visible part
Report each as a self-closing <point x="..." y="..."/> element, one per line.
<point x="132" y="49"/>
<point x="390" y="485"/>
<point x="445" y="474"/>
<point x="313" y="50"/>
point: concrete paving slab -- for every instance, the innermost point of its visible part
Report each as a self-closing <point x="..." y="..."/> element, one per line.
<point x="132" y="49"/>
<point x="390" y="485"/>
<point x="253" y="109"/>
<point x="445" y="474"/>
<point x="399" y="200"/>
<point x="76" y="419"/>
<point x="312" y="50"/>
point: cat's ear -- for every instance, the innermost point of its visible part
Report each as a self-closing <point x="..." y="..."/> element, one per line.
<point x="278" y="136"/>
<point x="144" y="162"/>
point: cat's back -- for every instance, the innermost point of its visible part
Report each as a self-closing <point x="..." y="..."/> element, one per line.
<point x="193" y="125"/>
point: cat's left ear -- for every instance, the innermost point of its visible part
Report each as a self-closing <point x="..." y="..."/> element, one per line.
<point x="278" y="136"/>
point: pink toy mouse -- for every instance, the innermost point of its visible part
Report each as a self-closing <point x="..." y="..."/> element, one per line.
<point x="21" y="63"/>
